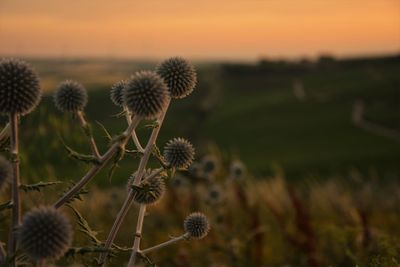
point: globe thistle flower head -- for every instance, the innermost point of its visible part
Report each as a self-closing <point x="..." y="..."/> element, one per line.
<point x="5" y="172"/>
<point x="20" y="90"/>
<point x="146" y="95"/>
<point x="210" y="165"/>
<point x="149" y="191"/>
<point x="237" y="170"/>
<point x="45" y="233"/>
<point x="179" y="153"/>
<point x="196" y="170"/>
<point x="180" y="76"/>
<point x="70" y="96"/>
<point x="215" y="195"/>
<point x="196" y="225"/>
<point x="179" y="182"/>
<point x="117" y="93"/>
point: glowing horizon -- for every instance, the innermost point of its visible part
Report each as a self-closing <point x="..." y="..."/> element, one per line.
<point x="234" y="29"/>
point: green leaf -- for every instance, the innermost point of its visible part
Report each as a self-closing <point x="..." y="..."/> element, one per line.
<point x="38" y="186"/>
<point x="6" y="206"/>
<point x="78" y="195"/>
<point x="90" y="159"/>
<point x="108" y="136"/>
<point x="85" y="228"/>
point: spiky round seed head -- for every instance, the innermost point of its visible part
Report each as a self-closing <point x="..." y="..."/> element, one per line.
<point x="196" y="170"/>
<point x="150" y="191"/>
<point x="45" y="233"/>
<point x="215" y="195"/>
<point x="5" y="172"/>
<point x="179" y="181"/>
<point x="117" y="93"/>
<point x="20" y="90"/>
<point x="196" y="225"/>
<point x="70" y="96"/>
<point x="237" y="169"/>
<point x="180" y="76"/>
<point x="210" y="164"/>
<point x="179" y="153"/>
<point x="146" y="94"/>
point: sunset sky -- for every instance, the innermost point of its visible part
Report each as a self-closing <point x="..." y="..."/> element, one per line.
<point x="206" y="29"/>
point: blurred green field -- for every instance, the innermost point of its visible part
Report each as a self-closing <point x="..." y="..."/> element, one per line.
<point x="246" y="109"/>
<point x="319" y="190"/>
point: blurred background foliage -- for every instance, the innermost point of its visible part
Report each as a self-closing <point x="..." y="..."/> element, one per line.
<point x="316" y="143"/>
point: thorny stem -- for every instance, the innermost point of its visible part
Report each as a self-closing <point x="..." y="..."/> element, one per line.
<point x="16" y="208"/>
<point x="167" y="243"/>
<point x="86" y="129"/>
<point x="96" y="168"/>
<point x="138" y="178"/>
<point x="129" y="199"/>
<point x="138" y="234"/>
<point x="135" y="139"/>
<point x="5" y="132"/>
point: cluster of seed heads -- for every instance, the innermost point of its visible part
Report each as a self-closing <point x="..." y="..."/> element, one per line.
<point x="70" y="96"/>
<point x="5" y="172"/>
<point x="117" y="93"/>
<point x="179" y="75"/>
<point x="20" y="90"/>
<point x="196" y="225"/>
<point x="146" y="95"/>
<point x="45" y="233"/>
<point x="179" y="153"/>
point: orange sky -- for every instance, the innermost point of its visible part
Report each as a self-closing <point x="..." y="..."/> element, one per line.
<point x="198" y="29"/>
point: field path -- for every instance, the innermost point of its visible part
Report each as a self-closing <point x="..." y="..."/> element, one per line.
<point x="358" y="119"/>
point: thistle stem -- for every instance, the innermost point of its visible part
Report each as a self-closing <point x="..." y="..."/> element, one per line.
<point x="16" y="208"/>
<point x="5" y="132"/>
<point x="129" y="198"/>
<point x="86" y="129"/>
<point x="135" y="139"/>
<point x="2" y="254"/>
<point x="41" y="263"/>
<point x="167" y="243"/>
<point x="138" y="234"/>
<point x="96" y="168"/>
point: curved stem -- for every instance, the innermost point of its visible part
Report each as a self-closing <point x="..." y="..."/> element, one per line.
<point x="96" y="168"/>
<point x="16" y="208"/>
<point x="166" y="243"/>
<point x="134" y="136"/>
<point x="88" y="133"/>
<point x="129" y="198"/>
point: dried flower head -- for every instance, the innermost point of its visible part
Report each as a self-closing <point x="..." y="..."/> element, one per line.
<point x="20" y="90"/>
<point x="117" y="93"/>
<point x="210" y="165"/>
<point x="149" y="190"/>
<point x="196" y="225"/>
<point x="146" y="95"/>
<point x="179" y="153"/>
<point x="214" y="195"/>
<point x="5" y="172"/>
<point x="180" y="76"/>
<point x="45" y="233"/>
<point x="237" y="169"/>
<point x="70" y="96"/>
